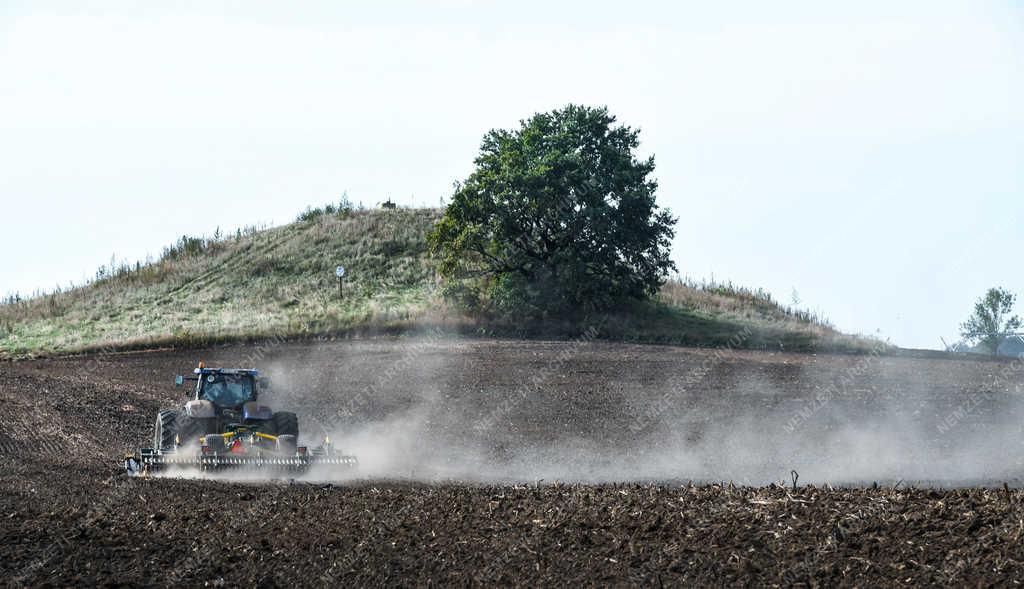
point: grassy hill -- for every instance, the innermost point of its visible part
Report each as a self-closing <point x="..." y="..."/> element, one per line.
<point x="279" y="282"/>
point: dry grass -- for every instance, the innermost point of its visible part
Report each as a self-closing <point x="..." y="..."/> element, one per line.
<point x="279" y="282"/>
<point x="738" y="302"/>
<point x="275" y="282"/>
<point x="756" y="308"/>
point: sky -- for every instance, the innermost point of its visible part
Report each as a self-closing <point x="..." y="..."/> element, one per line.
<point x="863" y="159"/>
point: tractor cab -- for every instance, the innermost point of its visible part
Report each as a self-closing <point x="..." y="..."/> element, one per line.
<point x="227" y="388"/>
<point x="226" y="394"/>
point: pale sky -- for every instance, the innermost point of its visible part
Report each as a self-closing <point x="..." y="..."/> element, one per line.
<point x="867" y="156"/>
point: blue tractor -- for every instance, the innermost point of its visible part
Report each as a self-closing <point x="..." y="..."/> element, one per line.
<point x="223" y="425"/>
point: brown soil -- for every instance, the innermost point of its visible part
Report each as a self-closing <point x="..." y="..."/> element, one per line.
<point x="454" y="436"/>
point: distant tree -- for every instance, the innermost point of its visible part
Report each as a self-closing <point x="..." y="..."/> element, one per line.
<point x="991" y="319"/>
<point x="558" y="216"/>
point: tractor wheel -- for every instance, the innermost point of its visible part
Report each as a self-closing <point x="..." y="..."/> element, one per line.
<point x="166" y="430"/>
<point x="286" y="424"/>
<point x="191" y="429"/>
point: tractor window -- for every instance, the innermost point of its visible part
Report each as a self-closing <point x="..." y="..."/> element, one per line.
<point x="227" y="390"/>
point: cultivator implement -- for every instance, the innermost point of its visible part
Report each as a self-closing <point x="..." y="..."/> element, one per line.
<point x="237" y="456"/>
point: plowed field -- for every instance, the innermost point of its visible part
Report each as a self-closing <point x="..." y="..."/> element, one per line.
<point x="530" y="463"/>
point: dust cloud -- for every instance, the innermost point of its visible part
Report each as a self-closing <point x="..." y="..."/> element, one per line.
<point x="444" y="409"/>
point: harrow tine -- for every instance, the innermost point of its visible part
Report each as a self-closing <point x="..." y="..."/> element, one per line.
<point x="163" y="462"/>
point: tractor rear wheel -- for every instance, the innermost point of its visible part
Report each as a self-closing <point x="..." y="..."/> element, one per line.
<point x="191" y="429"/>
<point x="286" y="424"/>
<point x="165" y="432"/>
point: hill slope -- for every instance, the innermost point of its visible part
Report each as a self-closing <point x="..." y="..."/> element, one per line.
<point x="279" y="282"/>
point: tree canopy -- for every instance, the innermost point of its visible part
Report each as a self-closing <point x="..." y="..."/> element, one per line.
<point x="991" y="319"/>
<point x="559" y="215"/>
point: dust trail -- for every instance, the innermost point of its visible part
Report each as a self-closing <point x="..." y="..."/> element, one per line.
<point x="521" y="412"/>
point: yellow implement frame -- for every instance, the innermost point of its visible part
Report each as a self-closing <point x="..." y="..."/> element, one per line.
<point x="227" y="436"/>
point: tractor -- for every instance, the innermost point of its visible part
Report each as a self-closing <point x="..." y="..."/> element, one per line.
<point x="224" y="426"/>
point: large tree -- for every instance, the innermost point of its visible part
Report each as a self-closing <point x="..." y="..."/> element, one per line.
<point x="559" y="215"/>
<point x="991" y="320"/>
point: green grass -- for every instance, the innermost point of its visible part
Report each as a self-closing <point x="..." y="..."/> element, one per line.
<point x="279" y="282"/>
